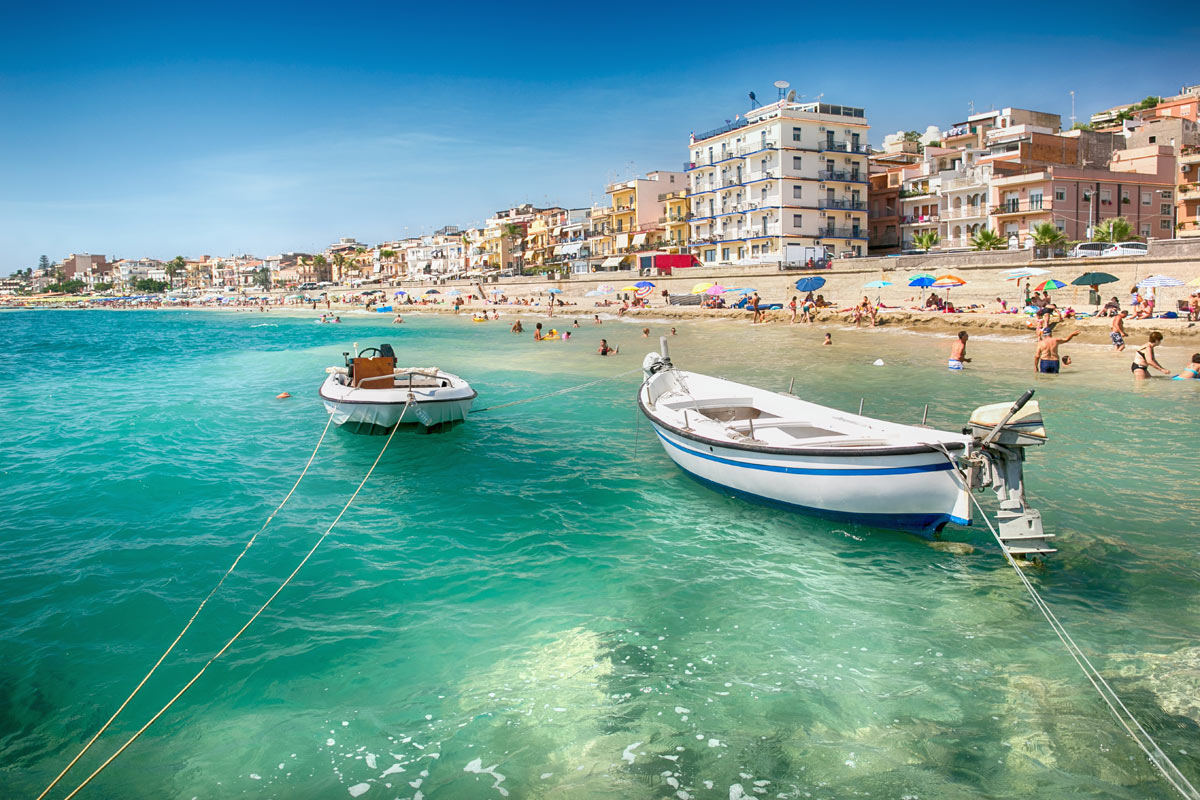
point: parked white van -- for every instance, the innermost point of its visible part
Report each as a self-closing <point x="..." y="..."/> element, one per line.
<point x="1087" y="249"/>
<point x="1127" y="249"/>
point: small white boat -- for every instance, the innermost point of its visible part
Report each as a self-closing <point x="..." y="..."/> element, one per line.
<point x="774" y="448"/>
<point x="371" y="392"/>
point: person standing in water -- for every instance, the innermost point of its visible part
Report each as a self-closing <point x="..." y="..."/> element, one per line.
<point x="1045" y="359"/>
<point x="1143" y="358"/>
<point x="1117" y="331"/>
<point x="958" y="352"/>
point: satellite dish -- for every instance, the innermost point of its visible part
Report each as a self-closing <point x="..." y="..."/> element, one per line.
<point x="752" y="97"/>
<point x="782" y="84"/>
<point x="791" y="97"/>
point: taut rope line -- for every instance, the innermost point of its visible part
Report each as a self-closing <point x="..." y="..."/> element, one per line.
<point x="255" y="616"/>
<point x="195" y="614"/>
<point x="559" y="391"/>
<point x="1161" y="761"/>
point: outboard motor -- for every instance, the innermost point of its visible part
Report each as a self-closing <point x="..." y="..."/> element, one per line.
<point x="386" y="351"/>
<point x="1002" y="433"/>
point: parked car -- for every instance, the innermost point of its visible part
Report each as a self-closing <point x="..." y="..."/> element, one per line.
<point x="304" y="287"/>
<point x="1088" y="249"/>
<point x="1126" y="249"/>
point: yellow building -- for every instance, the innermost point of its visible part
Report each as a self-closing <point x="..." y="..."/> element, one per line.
<point x="675" y="221"/>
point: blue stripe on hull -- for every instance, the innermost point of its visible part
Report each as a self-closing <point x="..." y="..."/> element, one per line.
<point x="927" y="524"/>
<point x="938" y="466"/>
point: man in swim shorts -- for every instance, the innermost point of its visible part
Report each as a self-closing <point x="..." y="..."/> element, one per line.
<point x="958" y="352"/>
<point x="1046" y="360"/>
<point x="1117" y="331"/>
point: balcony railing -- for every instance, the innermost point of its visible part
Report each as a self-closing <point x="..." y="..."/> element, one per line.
<point x="1022" y="206"/>
<point x="964" y="212"/>
<point x="919" y="219"/>
<point x="842" y="175"/>
<point x="830" y="145"/>
<point x="1189" y="191"/>
<point x="885" y="240"/>
<point x="842" y="233"/>
<point x="843" y="203"/>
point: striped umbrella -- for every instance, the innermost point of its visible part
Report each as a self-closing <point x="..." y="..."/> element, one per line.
<point x="1049" y="284"/>
<point x="644" y="291"/>
<point x="1159" y="280"/>
<point x="948" y="281"/>
<point x="605" y="288"/>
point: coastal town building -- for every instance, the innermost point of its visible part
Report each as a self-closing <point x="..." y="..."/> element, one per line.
<point x="1187" y="222"/>
<point x="571" y="241"/>
<point x="128" y="270"/>
<point x="785" y="174"/>
<point x="86" y="267"/>
<point x="883" y="213"/>
<point x="638" y="214"/>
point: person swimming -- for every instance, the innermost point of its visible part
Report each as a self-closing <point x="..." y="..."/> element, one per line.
<point x="1191" y="371"/>
<point x="605" y="350"/>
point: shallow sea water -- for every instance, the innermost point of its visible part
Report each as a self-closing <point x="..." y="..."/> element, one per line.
<point x="538" y="603"/>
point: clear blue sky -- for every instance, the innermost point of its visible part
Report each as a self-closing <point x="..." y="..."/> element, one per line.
<point x="166" y="129"/>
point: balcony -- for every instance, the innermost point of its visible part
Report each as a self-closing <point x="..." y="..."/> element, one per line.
<point x="919" y="219"/>
<point x="831" y="146"/>
<point x="852" y="176"/>
<point x="841" y="233"/>
<point x="1189" y="191"/>
<point x="1189" y="155"/>
<point x="842" y="203"/>
<point x="964" y="212"/>
<point x="883" y="240"/>
<point x="1033" y="205"/>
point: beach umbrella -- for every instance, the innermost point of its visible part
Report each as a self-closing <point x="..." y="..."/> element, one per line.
<point x="453" y="293"/>
<point x="876" y="284"/>
<point x="593" y="293"/>
<point x="922" y="281"/>
<point x="554" y="291"/>
<point x="947" y="281"/>
<point x="644" y="285"/>
<point x="1159" y="280"/>
<point x="496" y="290"/>
<point x="1023" y="272"/>
<point x="630" y="288"/>
<point x="810" y="284"/>
<point x="605" y="288"/>
<point x="701" y="288"/>
<point x="716" y="289"/>
<point x="1049" y="284"/>
<point x="1094" y="279"/>
<point x="398" y="293"/>
<point x="742" y="291"/>
<point x="1194" y="282"/>
<point x="432" y="291"/>
<point x="644" y="291"/>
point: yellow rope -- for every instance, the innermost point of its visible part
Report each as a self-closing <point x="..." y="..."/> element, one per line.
<point x="195" y="614"/>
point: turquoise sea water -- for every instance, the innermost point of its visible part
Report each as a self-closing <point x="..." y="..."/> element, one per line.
<point x="538" y="603"/>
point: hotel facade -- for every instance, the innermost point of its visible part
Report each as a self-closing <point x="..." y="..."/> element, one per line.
<point x="784" y="174"/>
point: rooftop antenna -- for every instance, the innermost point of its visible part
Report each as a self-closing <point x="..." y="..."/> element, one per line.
<point x="754" y="101"/>
<point x="1072" y="109"/>
<point x="791" y="96"/>
<point x="781" y="85"/>
<point x="970" y="108"/>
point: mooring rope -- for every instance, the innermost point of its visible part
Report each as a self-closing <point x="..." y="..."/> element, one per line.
<point x="557" y="392"/>
<point x="1161" y="761"/>
<point x="195" y="614"/>
<point x="253" y="617"/>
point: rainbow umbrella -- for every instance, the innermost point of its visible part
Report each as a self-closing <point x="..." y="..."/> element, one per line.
<point x="1049" y="284"/>
<point x="644" y="292"/>
<point x="605" y="288"/>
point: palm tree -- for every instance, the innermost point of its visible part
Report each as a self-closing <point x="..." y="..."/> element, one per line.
<point x="926" y="240"/>
<point x="1116" y="229"/>
<point x="173" y="267"/>
<point x="987" y="239"/>
<point x="1046" y="235"/>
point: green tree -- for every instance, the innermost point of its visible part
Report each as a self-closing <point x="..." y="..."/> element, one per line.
<point x="73" y="286"/>
<point x="926" y="240"/>
<point x="262" y="277"/>
<point x="44" y="263"/>
<point x="1150" y="102"/>
<point x="987" y="239"/>
<point x="912" y="136"/>
<point x="319" y="261"/>
<point x="1081" y="126"/>
<point x="1046" y="235"/>
<point x="1116" y="229"/>
<point x="102" y="287"/>
<point x="150" y="286"/>
<point x="175" y="266"/>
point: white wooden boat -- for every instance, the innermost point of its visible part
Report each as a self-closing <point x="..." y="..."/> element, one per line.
<point x="371" y="392"/>
<point x="775" y="448"/>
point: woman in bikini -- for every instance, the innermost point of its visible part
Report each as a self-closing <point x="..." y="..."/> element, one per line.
<point x="1191" y="371"/>
<point x="1143" y="358"/>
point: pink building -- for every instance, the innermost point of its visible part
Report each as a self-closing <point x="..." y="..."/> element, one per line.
<point x="1138" y="187"/>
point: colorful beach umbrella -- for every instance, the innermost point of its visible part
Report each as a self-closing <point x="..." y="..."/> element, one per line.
<point x="743" y="291"/>
<point x="1049" y="284"/>
<point x="922" y="281"/>
<point x="644" y="291"/>
<point x="701" y="288"/>
<point x="948" y="281"/>
<point x="605" y="288"/>
<point x="810" y="284"/>
<point x="1159" y="280"/>
<point x="644" y="285"/>
<point x="1024" y="272"/>
<point x="1094" y="279"/>
<point x="876" y="284"/>
<point x="716" y="289"/>
<point x="554" y="291"/>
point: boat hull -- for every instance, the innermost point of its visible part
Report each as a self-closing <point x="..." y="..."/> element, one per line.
<point x="386" y="408"/>
<point x="918" y="492"/>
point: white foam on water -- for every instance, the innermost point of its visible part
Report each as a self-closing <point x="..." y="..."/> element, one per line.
<point x="714" y="742"/>
<point x="682" y="710"/>
<point x="392" y="770"/>
<point x="547" y="775"/>
<point x="476" y="767"/>
<point x="358" y="788"/>
<point x="736" y="792"/>
<point x="254" y="777"/>
<point x="330" y="742"/>
<point x="371" y="760"/>
<point x="627" y="753"/>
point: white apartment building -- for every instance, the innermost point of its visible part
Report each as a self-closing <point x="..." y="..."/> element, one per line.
<point x="964" y="207"/>
<point x="788" y="173"/>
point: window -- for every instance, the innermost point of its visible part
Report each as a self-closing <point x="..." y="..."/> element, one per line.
<point x="1124" y="196"/>
<point x="1165" y="224"/>
<point x="796" y="134"/>
<point x="1165" y="209"/>
<point x="797" y="220"/>
<point x="797" y="162"/>
<point x="1035" y="200"/>
<point x="710" y="255"/>
<point x="1166" y="194"/>
<point x="1060" y="226"/>
<point x="1146" y="230"/>
<point x="1145" y="198"/>
<point x="797" y="192"/>
<point x="1106" y="196"/>
<point x="1060" y="194"/>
